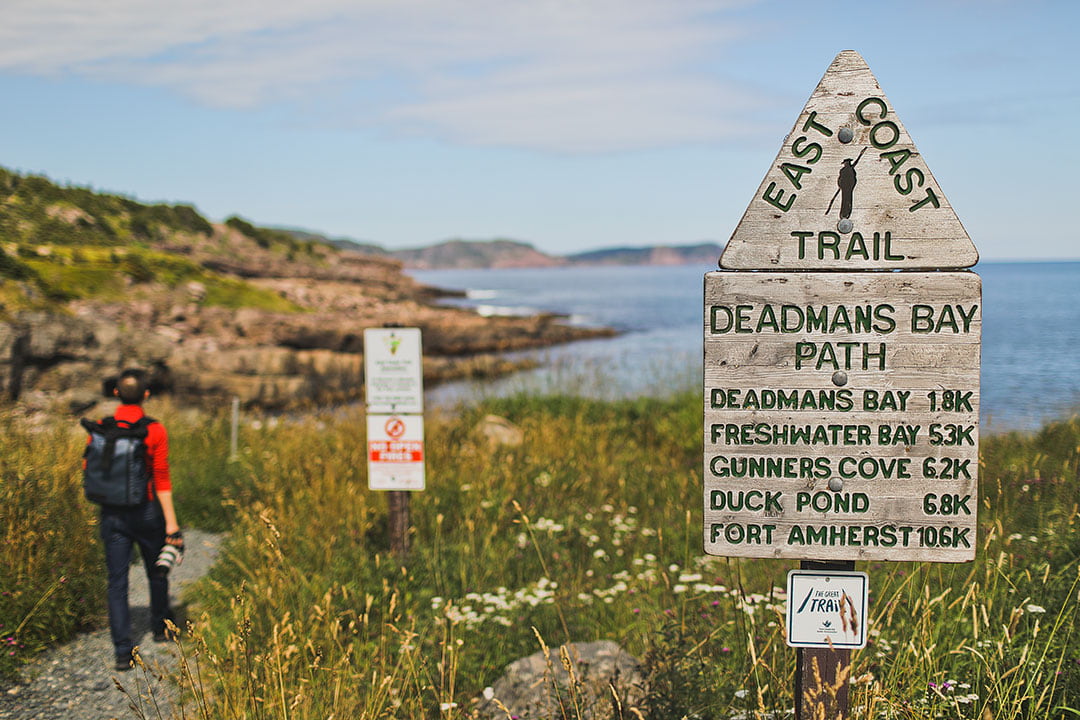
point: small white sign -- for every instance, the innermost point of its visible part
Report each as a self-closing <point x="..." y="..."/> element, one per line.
<point x="395" y="452"/>
<point x="826" y="609"/>
<point x="393" y="370"/>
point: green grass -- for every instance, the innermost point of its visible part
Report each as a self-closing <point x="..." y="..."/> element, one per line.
<point x="110" y="274"/>
<point x="65" y="243"/>
<point x="603" y="500"/>
<point x="51" y="565"/>
<point x="591" y="529"/>
<point x="35" y="210"/>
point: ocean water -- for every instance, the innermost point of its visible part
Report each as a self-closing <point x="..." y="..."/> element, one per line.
<point x="1030" y="355"/>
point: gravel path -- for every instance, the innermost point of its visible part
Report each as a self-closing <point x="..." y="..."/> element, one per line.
<point x="77" y="681"/>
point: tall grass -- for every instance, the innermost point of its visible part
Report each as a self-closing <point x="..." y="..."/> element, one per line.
<point x="590" y="529"/>
<point x="51" y="569"/>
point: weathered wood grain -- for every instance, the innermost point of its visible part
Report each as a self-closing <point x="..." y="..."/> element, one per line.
<point x="888" y="456"/>
<point x="801" y="193"/>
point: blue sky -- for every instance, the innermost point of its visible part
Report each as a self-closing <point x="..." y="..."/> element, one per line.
<point x="571" y="124"/>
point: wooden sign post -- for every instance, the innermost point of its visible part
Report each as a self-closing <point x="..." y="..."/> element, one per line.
<point x="394" y="391"/>
<point x="842" y="346"/>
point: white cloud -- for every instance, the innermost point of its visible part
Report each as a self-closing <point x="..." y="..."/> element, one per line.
<point x="564" y="75"/>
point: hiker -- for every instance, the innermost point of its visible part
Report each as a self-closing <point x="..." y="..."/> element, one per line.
<point x="126" y="472"/>
<point x="846" y="181"/>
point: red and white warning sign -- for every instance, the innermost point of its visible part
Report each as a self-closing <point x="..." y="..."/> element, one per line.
<point x="395" y="452"/>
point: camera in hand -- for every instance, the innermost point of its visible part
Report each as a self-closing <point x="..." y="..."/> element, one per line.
<point x="169" y="557"/>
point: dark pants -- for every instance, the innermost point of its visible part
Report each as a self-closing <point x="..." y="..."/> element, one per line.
<point x="120" y="529"/>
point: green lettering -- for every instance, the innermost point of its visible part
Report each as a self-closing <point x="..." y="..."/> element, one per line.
<point x="767" y="319"/>
<point x="893" y="136"/>
<point x="819" y="322"/>
<point x="794" y="173"/>
<point x="888" y="246"/>
<point x="811" y="122"/>
<point x="801" y="236"/>
<point x="930" y="198"/>
<point x="857" y="247"/>
<point x="896" y="159"/>
<point x="716" y="326"/>
<point x="840" y="319"/>
<point x="883" y="109"/>
<point x="804" y="351"/>
<point x="910" y="180"/>
<point x="827" y="356"/>
<point x="828" y="241"/>
<point x="742" y="318"/>
<point x="922" y="318"/>
<point x="777" y="199"/>
<point x="867" y="356"/>
<point x="884" y="322"/>
<point x="803" y="152"/>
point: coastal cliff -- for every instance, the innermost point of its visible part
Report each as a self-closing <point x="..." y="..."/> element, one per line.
<point x="91" y="283"/>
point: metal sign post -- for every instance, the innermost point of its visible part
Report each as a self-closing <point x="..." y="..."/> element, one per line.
<point x="394" y="391"/>
<point x="841" y="363"/>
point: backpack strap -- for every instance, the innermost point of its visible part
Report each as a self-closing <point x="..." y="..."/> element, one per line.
<point x="111" y="429"/>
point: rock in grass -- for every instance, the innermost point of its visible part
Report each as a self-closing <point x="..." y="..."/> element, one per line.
<point x="538" y="687"/>
<point x="500" y="432"/>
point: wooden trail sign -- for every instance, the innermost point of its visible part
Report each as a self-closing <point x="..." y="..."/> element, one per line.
<point x="849" y="191"/>
<point x="842" y="378"/>
<point x="841" y="415"/>
<point x="842" y="408"/>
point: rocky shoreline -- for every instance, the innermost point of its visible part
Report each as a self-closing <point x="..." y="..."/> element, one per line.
<point x="203" y="354"/>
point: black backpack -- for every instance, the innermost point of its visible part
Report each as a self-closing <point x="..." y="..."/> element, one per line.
<point x="116" y="473"/>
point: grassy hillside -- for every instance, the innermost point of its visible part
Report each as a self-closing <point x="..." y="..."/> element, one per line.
<point x="588" y="530"/>
<point x="64" y="243"/>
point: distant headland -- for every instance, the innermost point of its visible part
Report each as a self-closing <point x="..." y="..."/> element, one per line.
<point x="459" y="254"/>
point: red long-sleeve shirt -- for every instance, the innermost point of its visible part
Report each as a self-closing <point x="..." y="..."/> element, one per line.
<point x="157" y="449"/>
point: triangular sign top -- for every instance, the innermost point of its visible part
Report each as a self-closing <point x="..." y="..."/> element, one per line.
<point x="849" y="191"/>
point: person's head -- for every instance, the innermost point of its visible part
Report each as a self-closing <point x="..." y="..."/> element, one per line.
<point x="132" y="387"/>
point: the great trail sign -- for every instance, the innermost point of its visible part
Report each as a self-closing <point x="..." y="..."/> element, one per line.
<point x="842" y="344"/>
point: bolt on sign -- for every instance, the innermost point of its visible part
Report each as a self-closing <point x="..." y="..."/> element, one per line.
<point x="842" y="348"/>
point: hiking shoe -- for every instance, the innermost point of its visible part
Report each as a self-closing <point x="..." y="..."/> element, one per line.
<point x="167" y="635"/>
<point x="124" y="663"/>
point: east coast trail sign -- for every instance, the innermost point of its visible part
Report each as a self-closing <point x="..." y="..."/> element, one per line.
<point x="842" y="348"/>
<point x="849" y="191"/>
